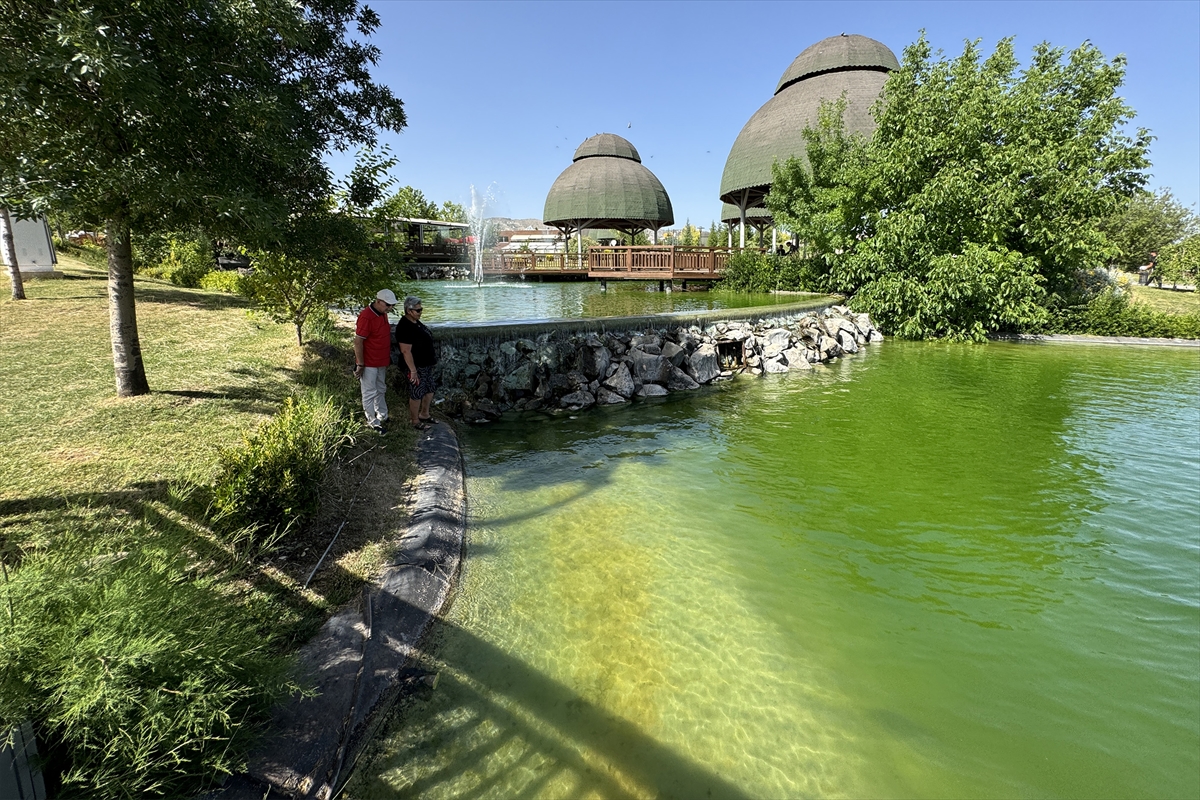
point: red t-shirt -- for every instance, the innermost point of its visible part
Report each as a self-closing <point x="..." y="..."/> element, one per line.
<point x="375" y="331"/>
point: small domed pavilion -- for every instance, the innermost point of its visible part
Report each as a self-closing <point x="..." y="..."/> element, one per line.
<point x="607" y="186"/>
<point x="851" y="65"/>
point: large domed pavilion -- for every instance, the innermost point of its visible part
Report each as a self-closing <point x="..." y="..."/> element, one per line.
<point x="851" y="65"/>
<point x="607" y="186"/>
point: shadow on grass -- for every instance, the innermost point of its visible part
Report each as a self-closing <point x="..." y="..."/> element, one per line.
<point x="497" y="726"/>
<point x="181" y="521"/>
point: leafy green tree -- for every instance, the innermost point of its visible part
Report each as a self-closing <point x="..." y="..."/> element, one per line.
<point x="329" y="255"/>
<point x="1147" y="223"/>
<point x="981" y="194"/>
<point x="161" y="114"/>
<point x="452" y="212"/>
<point x="1180" y="262"/>
<point x="409" y="203"/>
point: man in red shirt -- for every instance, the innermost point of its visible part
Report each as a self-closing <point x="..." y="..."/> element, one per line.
<point x="372" y="357"/>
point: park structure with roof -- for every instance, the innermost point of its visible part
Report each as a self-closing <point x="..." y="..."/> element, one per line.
<point x="607" y="186"/>
<point x="851" y="66"/>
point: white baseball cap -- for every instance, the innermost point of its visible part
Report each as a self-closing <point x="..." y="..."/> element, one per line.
<point x="386" y="296"/>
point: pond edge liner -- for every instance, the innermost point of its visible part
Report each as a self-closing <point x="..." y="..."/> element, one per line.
<point x="1072" y="338"/>
<point x="357" y="662"/>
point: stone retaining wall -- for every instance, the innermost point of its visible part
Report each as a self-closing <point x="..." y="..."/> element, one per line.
<point x="489" y="369"/>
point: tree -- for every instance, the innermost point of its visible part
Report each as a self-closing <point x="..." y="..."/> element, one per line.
<point x="689" y="236"/>
<point x="1147" y="223"/>
<point x="981" y="194"/>
<point x="409" y="203"/>
<point x="10" y="255"/>
<point x="162" y="114"/>
<point x="452" y="212"/>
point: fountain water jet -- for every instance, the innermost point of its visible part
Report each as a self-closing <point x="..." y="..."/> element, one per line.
<point x="479" y="226"/>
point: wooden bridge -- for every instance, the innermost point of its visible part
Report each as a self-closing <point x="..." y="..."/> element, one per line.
<point x="646" y="263"/>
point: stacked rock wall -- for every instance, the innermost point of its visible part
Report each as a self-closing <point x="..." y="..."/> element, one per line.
<point x="485" y="375"/>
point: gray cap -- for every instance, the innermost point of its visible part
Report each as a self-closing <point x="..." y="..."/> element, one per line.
<point x="387" y="296"/>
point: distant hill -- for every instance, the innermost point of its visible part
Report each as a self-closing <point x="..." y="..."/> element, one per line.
<point x="510" y="224"/>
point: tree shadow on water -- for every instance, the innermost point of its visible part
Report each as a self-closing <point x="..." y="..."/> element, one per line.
<point x="497" y="727"/>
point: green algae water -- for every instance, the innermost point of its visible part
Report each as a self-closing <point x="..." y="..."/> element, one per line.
<point x="925" y="571"/>
<point x="505" y="301"/>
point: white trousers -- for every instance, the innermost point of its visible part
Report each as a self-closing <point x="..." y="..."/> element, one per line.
<point x="374" y="394"/>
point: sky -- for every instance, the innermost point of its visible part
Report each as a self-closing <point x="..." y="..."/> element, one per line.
<point x="498" y="95"/>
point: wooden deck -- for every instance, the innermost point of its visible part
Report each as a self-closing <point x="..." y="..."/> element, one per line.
<point x="652" y="263"/>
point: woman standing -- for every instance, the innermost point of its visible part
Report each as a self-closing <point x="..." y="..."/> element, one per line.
<point x="416" y="351"/>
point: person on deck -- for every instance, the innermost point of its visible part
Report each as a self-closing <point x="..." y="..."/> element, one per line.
<point x="418" y="358"/>
<point x="372" y="357"/>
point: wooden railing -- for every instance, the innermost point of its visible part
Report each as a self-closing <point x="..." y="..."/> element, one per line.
<point x="645" y="263"/>
<point x="657" y="262"/>
<point x="524" y="263"/>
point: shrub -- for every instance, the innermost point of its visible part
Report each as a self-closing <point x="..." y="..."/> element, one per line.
<point x="222" y="281"/>
<point x="1111" y="313"/>
<point x="960" y="297"/>
<point x="271" y="480"/>
<point x="188" y="260"/>
<point x="755" y="271"/>
<point x="1180" y="262"/>
<point x="140" y="674"/>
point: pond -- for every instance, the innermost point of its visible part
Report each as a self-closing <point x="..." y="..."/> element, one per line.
<point x="928" y="570"/>
<point x="502" y="301"/>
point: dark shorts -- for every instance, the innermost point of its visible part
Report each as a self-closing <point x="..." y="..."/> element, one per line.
<point x="428" y="383"/>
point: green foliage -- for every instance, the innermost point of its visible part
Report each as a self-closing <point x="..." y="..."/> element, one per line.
<point x="410" y="203"/>
<point x="755" y="271"/>
<point x="164" y="114"/>
<point x="324" y="258"/>
<point x="1111" y="313"/>
<point x="1180" y="262"/>
<point x="188" y="260"/>
<point x="270" y="482"/>
<point x="452" y="212"/>
<point x="229" y="281"/>
<point x="136" y="665"/>
<point x="1011" y="173"/>
<point x="1147" y="223"/>
<point x="688" y="235"/>
<point x="960" y="297"/>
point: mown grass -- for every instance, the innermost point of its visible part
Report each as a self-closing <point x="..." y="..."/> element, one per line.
<point x="1167" y="300"/>
<point x="97" y="493"/>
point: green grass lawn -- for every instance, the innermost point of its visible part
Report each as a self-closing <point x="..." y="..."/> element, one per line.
<point x="91" y="483"/>
<point x="1167" y="300"/>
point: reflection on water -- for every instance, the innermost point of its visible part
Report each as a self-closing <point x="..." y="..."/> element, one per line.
<point x="464" y="301"/>
<point x="927" y="570"/>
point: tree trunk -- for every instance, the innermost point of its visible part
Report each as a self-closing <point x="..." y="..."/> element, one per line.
<point x="10" y="254"/>
<point x="122" y="315"/>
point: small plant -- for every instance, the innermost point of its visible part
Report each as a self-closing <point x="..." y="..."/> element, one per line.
<point x="270" y="481"/>
<point x="222" y="281"/>
<point x="754" y="271"/>
<point x="188" y="260"/>
<point x="141" y="675"/>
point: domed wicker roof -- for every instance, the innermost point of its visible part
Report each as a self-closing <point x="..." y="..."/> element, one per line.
<point x="839" y="52"/>
<point x="607" y="144"/>
<point x="828" y="70"/>
<point x="607" y="186"/>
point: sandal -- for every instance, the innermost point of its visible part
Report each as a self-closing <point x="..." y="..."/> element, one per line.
<point x="422" y="426"/>
<point x="426" y="419"/>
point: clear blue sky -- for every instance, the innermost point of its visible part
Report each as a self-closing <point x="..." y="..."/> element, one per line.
<point x="502" y="93"/>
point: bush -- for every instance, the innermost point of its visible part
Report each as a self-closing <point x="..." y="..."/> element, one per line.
<point x="271" y="480"/>
<point x="960" y="297"/>
<point x="1111" y="313"/>
<point x="141" y="675"/>
<point x="222" y="281"/>
<point x="1180" y="262"/>
<point x="188" y="260"/>
<point x="755" y="271"/>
